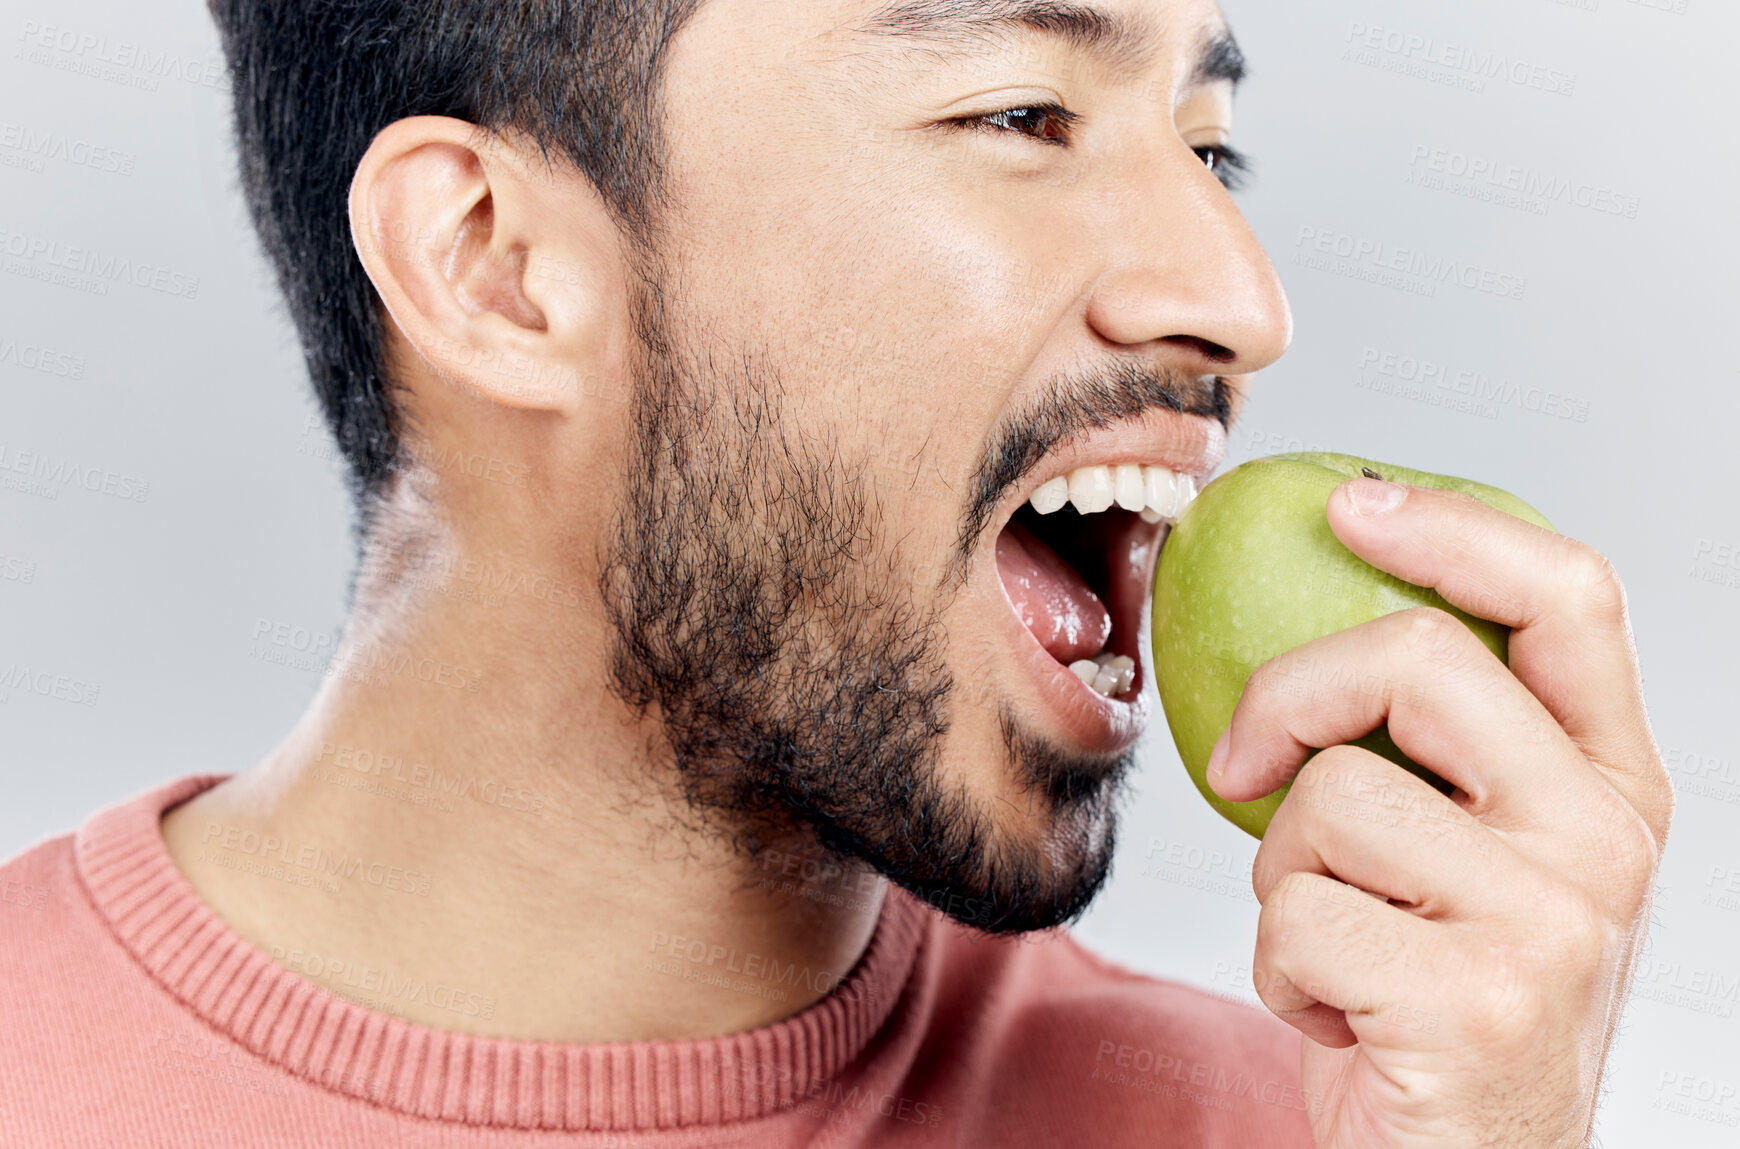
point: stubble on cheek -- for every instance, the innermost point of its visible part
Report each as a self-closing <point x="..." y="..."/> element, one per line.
<point x="772" y="610"/>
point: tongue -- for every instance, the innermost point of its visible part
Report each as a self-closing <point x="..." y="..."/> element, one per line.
<point x="1050" y="598"/>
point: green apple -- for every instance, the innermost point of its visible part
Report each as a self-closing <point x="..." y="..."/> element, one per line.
<point x="1252" y="570"/>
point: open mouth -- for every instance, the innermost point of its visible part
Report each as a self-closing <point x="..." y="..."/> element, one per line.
<point x="1077" y="563"/>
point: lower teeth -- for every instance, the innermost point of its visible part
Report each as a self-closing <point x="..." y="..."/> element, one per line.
<point x="1107" y="674"/>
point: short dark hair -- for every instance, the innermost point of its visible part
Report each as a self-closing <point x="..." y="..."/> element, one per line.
<point x="315" y="80"/>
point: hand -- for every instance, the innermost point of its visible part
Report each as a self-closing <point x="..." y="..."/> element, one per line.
<point x="1477" y="1005"/>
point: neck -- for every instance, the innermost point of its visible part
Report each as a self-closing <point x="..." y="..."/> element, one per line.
<point x="466" y="805"/>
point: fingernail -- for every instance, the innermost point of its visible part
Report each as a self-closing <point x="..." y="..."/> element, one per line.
<point x="1218" y="756"/>
<point x="1369" y="498"/>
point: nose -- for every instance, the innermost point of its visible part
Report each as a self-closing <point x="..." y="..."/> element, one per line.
<point x="1185" y="276"/>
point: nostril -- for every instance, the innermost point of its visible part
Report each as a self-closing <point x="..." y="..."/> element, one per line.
<point x="1213" y="352"/>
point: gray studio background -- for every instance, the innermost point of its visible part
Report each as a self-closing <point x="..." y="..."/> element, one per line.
<point x="1602" y="388"/>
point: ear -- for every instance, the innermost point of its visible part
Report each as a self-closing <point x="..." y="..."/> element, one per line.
<point x="504" y="277"/>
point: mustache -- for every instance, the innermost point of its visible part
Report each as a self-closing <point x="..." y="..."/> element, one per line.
<point x="1075" y="405"/>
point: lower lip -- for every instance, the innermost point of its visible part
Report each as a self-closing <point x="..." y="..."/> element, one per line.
<point x="1089" y="720"/>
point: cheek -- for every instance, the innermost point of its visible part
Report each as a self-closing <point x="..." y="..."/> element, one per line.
<point x="902" y="315"/>
<point x="910" y="283"/>
<point x="919" y="330"/>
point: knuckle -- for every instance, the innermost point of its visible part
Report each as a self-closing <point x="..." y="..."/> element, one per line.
<point x="1633" y="846"/>
<point x="1319" y="772"/>
<point x="1575" y="942"/>
<point x="1264" y="874"/>
<point x="1433" y="635"/>
<point x="1281" y="905"/>
<point x="1346" y="759"/>
<point x="1347" y="787"/>
<point x="1642" y="843"/>
<point x="1660" y="814"/>
<point x="1273" y="987"/>
<point x="1656" y="796"/>
<point x="1271" y="862"/>
<point x="1504" y="1005"/>
<point x="1280" y="921"/>
<point x="1570" y="922"/>
<point x="1593" y="578"/>
<point x="1271" y="991"/>
<point x="1268" y="683"/>
<point x="1326" y="778"/>
<point x="1270" y="927"/>
<point x="1470" y="523"/>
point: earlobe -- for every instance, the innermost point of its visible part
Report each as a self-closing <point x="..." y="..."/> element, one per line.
<point x="432" y="220"/>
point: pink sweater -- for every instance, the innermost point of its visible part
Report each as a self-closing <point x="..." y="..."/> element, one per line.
<point x="130" y="1015"/>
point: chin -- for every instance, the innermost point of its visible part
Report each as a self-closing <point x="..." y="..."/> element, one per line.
<point x="1032" y="856"/>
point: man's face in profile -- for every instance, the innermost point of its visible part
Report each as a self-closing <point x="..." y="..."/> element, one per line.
<point x="919" y="260"/>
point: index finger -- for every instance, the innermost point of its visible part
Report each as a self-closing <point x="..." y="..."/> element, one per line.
<point x="1571" y="643"/>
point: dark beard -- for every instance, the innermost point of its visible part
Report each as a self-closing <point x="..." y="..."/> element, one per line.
<point x="799" y="683"/>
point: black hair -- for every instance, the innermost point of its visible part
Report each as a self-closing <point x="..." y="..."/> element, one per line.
<point x="315" y="80"/>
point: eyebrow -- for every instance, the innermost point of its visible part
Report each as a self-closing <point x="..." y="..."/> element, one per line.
<point x="1221" y="59"/>
<point x="1127" y="43"/>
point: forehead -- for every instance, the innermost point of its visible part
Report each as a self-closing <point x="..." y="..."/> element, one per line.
<point x="1185" y="39"/>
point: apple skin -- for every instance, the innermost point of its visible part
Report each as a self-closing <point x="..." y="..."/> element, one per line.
<point x="1252" y="570"/>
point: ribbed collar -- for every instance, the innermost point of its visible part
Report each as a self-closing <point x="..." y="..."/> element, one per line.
<point x="433" y="1073"/>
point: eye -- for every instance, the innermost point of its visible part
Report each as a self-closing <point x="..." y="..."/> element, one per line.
<point x="1228" y="164"/>
<point x="1047" y="123"/>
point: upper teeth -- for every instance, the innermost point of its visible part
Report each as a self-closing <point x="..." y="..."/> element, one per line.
<point x="1157" y="492"/>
